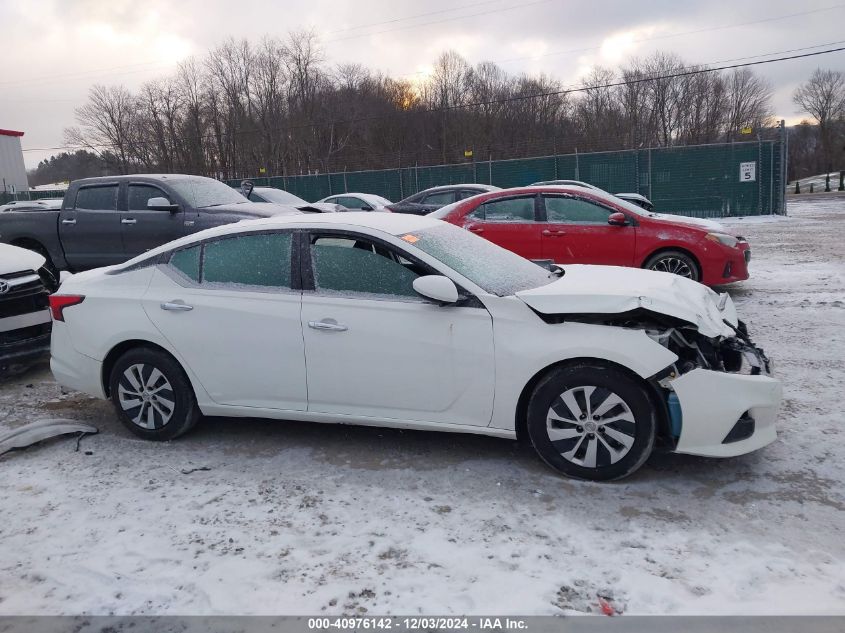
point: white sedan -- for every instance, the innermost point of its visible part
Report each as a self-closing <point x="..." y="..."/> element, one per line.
<point x="409" y="322"/>
<point x="359" y="201"/>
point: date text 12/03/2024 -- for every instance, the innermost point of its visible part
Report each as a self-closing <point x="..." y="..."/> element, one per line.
<point x="418" y="623"/>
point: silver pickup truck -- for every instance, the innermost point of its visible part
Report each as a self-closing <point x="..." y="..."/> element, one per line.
<point x="108" y="220"/>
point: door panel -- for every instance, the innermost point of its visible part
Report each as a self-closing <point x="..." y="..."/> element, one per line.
<point x="509" y="223"/>
<point x="239" y="332"/>
<point x="376" y="349"/>
<point x="577" y="232"/>
<point x="143" y="228"/>
<point x="90" y="232"/>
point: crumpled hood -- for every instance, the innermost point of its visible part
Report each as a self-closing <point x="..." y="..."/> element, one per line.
<point x="14" y="259"/>
<point x="586" y="289"/>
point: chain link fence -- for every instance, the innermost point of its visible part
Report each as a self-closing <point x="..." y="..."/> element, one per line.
<point x="715" y="180"/>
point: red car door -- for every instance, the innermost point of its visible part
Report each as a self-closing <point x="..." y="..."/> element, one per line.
<point x="510" y="222"/>
<point x="575" y="231"/>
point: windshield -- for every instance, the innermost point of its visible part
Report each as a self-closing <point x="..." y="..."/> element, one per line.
<point x="201" y="192"/>
<point x="496" y="270"/>
<point x="279" y="196"/>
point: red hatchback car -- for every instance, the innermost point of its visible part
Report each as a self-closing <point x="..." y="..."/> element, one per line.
<point x="575" y="225"/>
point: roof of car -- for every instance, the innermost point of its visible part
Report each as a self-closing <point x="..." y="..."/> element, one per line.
<point x="468" y="185"/>
<point x="136" y="177"/>
<point x="392" y="223"/>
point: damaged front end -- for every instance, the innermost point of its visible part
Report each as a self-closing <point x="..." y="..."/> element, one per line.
<point x="718" y="398"/>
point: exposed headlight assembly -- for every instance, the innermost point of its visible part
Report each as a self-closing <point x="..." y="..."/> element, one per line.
<point x="723" y="238"/>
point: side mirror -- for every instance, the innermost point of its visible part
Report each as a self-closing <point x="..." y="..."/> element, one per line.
<point x="617" y="219"/>
<point x="366" y="207"/>
<point x="161" y="204"/>
<point x="246" y="188"/>
<point x="437" y="288"/>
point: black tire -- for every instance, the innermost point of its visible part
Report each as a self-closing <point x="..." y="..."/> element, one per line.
<point x="570" y="452"/>
<point x="156" y="393"/>
<point x="675" y="262"/>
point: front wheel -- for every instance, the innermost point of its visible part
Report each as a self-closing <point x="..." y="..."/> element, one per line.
<point x="591" y="421"/>
<point x="674" y="262"/>
<point x="152" y="395"/>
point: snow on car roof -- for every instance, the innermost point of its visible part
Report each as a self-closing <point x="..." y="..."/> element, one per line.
<point x="393" y="223"/>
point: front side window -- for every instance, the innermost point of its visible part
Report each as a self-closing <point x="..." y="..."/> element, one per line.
<point x="140" y="195"/>
<point x="97" y="198"/>
<point x="259" y="260"/>
<point x="356" y="266"/>
<point x="509" y="210"/>
<point x="575" y="211"/>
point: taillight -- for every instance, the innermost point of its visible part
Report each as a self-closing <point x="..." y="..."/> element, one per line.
<point x="59" y="302"/>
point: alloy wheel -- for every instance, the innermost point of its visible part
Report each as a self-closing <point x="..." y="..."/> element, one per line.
<point x="591" y="426"/>
<point x="673" y="265"/>
<point x="146" y="396"/>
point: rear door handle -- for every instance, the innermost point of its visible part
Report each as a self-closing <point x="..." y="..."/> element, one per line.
<point x="549" y="233"/>
<point x="129" y="221"/>
<point x="69" y="221"/>
<point x="176" y="306"/>
<point x="327" y="324"/>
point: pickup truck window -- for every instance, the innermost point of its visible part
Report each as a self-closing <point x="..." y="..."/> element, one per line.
<point x="97" y="198"/>
<point x="139" y="195"/>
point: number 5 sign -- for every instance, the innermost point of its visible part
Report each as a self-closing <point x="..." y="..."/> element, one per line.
<point x="748" y="172"/>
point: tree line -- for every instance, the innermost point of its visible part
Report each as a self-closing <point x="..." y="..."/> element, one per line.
<point x="279" y="107"/>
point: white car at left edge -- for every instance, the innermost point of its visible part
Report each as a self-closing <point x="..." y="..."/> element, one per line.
<point x="401" y="321"/>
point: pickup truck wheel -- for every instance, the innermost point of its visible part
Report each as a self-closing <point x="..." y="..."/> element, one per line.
<point x="591" y="421"/>
<point x="152" y="395"/>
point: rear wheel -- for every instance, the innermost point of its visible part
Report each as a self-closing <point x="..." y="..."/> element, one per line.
<point x="152" y="395"/>
<point x="591" y="421"/>
<point x="674" y="262"/>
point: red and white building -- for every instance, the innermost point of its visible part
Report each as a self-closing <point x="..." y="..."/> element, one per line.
<point x="12" y="170"/>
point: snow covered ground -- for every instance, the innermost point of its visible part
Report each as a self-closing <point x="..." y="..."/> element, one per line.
<point x="295" y="518"/>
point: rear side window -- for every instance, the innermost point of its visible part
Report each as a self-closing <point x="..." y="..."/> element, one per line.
<point x="510" y="210"/>
<point x="187" y="261"/>
<point x="250" y="260"/>
<point x="97" y="198"/>
<point x="261" y="260"/>
<point x="575" y="211"/>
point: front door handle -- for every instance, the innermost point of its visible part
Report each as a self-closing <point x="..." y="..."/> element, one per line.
<point x="476" y="229"/>
<point x="71" y="221"/>
<point x="129" y="221"/>
<point x="327" y="324"/>
<point x="176" y="306"/>
<point x="549" y="233"/>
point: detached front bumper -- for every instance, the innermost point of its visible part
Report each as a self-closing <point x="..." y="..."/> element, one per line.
<point x="726" y="414"/>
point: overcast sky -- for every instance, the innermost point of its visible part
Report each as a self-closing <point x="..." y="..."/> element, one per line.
<point x="53" y="50"/>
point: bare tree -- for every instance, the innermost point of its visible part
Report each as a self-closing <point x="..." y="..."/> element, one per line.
<point x="822" y="96"/>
